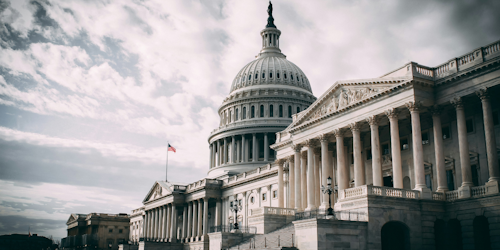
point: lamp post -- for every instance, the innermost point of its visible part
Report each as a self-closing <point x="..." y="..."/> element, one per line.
<point x="328" y="189"/>
<point x="235" y="208"/>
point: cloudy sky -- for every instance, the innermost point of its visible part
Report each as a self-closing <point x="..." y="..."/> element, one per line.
<point x="91" y="91"/>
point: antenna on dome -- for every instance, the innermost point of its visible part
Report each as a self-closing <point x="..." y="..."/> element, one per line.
<point x="270" y="19"/>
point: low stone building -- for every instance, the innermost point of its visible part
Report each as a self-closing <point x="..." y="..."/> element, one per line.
<point x="412" y="154"/>
<point x="96" y="231"/>
<point x="26" y="242"/>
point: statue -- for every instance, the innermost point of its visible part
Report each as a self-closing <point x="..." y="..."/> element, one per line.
<point x="270" y="19"/>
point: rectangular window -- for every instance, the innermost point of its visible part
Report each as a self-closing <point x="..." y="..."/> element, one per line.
<point x="110" y="230"/>
<point x="385" y="149"/>
<point x="425" y="138"/>
<point x="261" y="111"/>
<point x="298" y="109"/>
<point x="264" y="196"/>
<point x="496" y="119"/>
<point x="244" y="113"/>
<point x="368" y="153"/>
<point x="289" y="111"/>
<point x="271" y="110"/>
<point x="252" y="112"/>
<point x="236" y="114"/>
<point x="230" y="114"/>
<point x="446" y="132"/>
<point x="120" y="231"/>
<point x="469" y="123"/>
<point x="404" y="144"/>
<point x="281" y="110"/>
<point x="275" y="194"/>
<point x="428" y="181"/>
<point x="450" y="180"/>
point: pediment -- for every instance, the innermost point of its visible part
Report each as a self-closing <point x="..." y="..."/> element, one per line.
<point x="343" y="95"/>
<point x="158" y="190"/>
<point x="72" y="218"/>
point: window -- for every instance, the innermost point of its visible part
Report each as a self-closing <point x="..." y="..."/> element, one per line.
<point x="289" y="111"/>
<point x="298" y="109"/>
<point x="496" y="119"/>
<point x="256" y="76"/>
<point x="271" y="110"/>
<point x="252" y="112"/>
<point x="469" y="123"/>
<point x="449" y="180"/>
<point x="285" y="75"/>
<point x="368" y="153"/>
<point x="249" y="77"/>
<point x="278" y="75"/>
<point x="425" y="138"/>
<point x="475" y="175"/>
<point x="428" y="181"/>
<point x="261" y="110"/>
<point x="244" y="113"/>
<point x="263" y="75"/>
<point x="280" y="111"/>
<point x="446" y="132"/>
<point x="291" y="76"/>
<point x="120" y="231"/>
<point x="110" y="230"/>
<point x="264" y="196"/>
<point x="230" y="114"/>
<point x="275" y="194"/>
<point x="236" y="118"/>
<point x="404" y="144"/>
<point x="385" y="149"/>
<point x="252" y="200"/>
<point x="270" y="74"/>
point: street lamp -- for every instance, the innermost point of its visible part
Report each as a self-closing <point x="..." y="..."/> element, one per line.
<point x="328" y="189"/>
<point x="235" y="209"/>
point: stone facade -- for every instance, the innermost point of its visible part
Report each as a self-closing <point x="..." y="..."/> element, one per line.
<point x="413" y="154"/>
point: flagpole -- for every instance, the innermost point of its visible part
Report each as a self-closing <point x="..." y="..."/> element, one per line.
<point x="166" y="168"/>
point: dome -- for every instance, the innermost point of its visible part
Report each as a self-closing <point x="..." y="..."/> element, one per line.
<point x="273" y="69"/>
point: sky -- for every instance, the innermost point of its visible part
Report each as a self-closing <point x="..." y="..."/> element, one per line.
<point x="92" y="91"/>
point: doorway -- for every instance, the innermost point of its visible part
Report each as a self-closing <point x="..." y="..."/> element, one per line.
<point x="395" y="236"/>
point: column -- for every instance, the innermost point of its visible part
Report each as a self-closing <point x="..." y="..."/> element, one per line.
<point x="173" y="228"/>
<point x="169" y="221"/>
<point x="244" y="146"/>
<point x="359" y="170"/>
<point x="211" y="156"/>
<point x="298" y="195"/>
<point x="150" y="225"/>
<point x="189" y="221"/>
<point x="266" y="148"/>
<point x="194" y="233"/>
<point x="205" y="216"/>
<point x="303" y="181"/>
<point x="225" y="158"/>
<point x="238" y="153"/>
<point x="218" y="153"/>
<point x="463" y="143"/>
<point x="165" y="223"/>
<point x="214" y="163"/>
<point x="397" y="169"/>
<point x="218" y="212"/>
<point x="418" y="151"/>
<point x="438" y="150"/>
<point x="255" y="155"/>
<point x="291" y="181"/>
<point x="155" y="223"/>
<point x="233" y="151"/>
<point x="184" y="223"/>
<point x="326" y="167"/>
<point x="342" y="169"/>
<point x="200" y="219"/>
<point x="489" y="133"/>
<point x="376" y="156"/>
<point x="160" y="224"/>
<point x="281" y="197"/>
<point x="146" y="226"/>
<point x="317" y="180"/>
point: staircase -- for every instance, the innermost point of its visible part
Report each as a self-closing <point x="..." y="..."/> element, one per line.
<point x="280" y="238"/>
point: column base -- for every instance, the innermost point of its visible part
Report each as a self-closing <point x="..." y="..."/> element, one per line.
<point x="309" y="208"/>
<point x="323" y="206"/>
<point x="442" y="189"/>
<point x="492" y="187"/>
<point x="464" y="192"/>
<point x="425" y="192"/>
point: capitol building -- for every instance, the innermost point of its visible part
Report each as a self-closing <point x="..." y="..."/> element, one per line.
<point x="411" y="160"/>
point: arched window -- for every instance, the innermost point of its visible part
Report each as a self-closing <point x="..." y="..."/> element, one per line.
<point x="481" y="233"/>
<point x="271" y="110"/>
<point x="249" y="77"/>
<point x="244" y="115"/>
<point x="256" y="76"/>
<point x="298" y="109"/>
<point x="291" y="76"/>
<point x="297" y="78"/>
<point x="261" y="110"/>
<point x="280" y="111"/>
<point x="278" y="75"/>
<point x="236" y="118"/>
<point x="252" y="112"/>
<point x="395" y="236"/>
<point x="289" y="111"/>
<point x="230" y="113"/>
<point x="263" y="75"/>
<point x="270" y="74"/>
<point x="285" y="75"/>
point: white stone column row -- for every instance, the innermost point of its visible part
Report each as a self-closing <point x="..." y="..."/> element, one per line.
<point x="237" y="150"/>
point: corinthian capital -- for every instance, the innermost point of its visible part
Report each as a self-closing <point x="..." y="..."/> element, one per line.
<point x="323" y="137"/>
<point x="296" y="147"/>
<point x="392" y="113"/>
<point x="339" y="132"/>
<point x="372" y="120"/>
<point x="483" y="94"/>
<point x="413" y="106"/>
<point x="354" y="126"/>
<point x="457" y="102"/>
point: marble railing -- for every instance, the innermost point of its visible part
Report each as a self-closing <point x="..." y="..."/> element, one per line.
<point x="198" y="184"/>
<point x="478" y="191"/>
<point x="379" y="191"/>
<point x="460" y="63"/>
<point x="273" y="210"/>
<point x="452" y="195"/>
<point x="250" y="174"/>
<point x="438" y="196"/>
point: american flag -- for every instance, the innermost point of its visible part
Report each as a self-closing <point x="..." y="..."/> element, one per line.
<point x="170" y="148"/>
